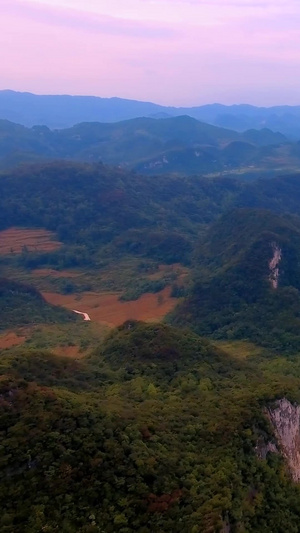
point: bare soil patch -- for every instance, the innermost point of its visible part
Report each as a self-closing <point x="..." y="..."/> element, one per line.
<point x="45" y="272"/>
<point x="13" y="240"/>
<point x="10" y="339"/>
<point x="105" y="308"/>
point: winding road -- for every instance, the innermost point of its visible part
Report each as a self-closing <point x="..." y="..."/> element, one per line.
<point x="85" y="315"/>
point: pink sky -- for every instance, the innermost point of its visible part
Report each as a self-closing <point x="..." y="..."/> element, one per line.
<point x="177" y="52"/>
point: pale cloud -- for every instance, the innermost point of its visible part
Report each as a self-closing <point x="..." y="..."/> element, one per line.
<point x="231" y="3"/>
<point x="45" y="13"/>
<point x="171" y="51"/>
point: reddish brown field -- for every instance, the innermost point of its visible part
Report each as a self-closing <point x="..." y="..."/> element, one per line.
<point x="13" y="240"/>
<point x="9" y="339"/>
<point x="44" y="272"/>
<point x="106" y="308"/>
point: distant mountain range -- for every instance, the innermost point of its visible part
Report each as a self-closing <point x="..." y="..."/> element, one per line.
<point x="63" y="111"/>
<point x="180" y="145"/>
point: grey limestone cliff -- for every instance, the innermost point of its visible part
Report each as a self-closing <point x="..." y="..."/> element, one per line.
<point x="273" y="265"/>
<point x="285" y="419"/>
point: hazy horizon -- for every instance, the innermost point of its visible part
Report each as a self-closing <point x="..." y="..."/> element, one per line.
<point x="171" y="52"/>
<point x="146" y="101"/>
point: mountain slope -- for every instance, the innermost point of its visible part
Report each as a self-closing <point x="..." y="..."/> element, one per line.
<point x="99" y="212"/>
<point x="247" y="280"/>
<point x="22" y="305"/>
<point x="156" y="431"/>
<point x="92" y="206"/>
<point x="130" y="143"/>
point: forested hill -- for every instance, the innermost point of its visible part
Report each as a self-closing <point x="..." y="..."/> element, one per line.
<point x="247" y="280"/>
<point x="180" y="145"/>
<point x="151" y="428"/>
<point x="62" y="111"/>
<point x="22" y="305"/>
<point x="156" y="431"/>
<point x="92" y="206"/>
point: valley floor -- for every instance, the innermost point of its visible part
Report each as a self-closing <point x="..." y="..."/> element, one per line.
<point x="106" y="308"/>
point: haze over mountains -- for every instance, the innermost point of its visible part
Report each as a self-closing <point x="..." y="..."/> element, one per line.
<point x="63" y="111"/>
<point x="180" y="145"/>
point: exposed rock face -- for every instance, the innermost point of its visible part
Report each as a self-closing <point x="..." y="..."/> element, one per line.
<point x="263" y="448"/>
<point x="273" y="265"/>
<point x="285" y="418"/>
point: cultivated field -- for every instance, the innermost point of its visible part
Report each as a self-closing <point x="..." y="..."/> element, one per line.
<point x="73" y="340"/>
<point x="105" y="308"/>
<point x="10" y="339"/>
<point x="14" y="240"/>
<point x="45" y="272"/>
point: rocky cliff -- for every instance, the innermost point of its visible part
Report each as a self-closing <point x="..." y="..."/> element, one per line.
<point x="285" y="419"/>
<point x="273" y="265"/>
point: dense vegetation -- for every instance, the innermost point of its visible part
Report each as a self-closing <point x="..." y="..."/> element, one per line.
<point x="99" y="212"/>
<point x="233" y="296"/>
<point x="105" y="214"/>
<point x="155" y="432"/>
<point x="22" y="305"/>
<point x="179" y="145"/>
<point x="156" y="429"/>
<point x="91" y="207"/>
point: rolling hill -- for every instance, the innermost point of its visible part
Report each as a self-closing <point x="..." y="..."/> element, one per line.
<point x="98" y="211"/>
<point x="179" y="145"/>
<point x="23" y="305"/>
<point x="154" y="429"/>
<point x="247" y="280"/>
<point x="64" y="111"/>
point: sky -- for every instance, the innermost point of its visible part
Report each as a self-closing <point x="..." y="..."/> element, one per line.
<point x="172" y="52"/>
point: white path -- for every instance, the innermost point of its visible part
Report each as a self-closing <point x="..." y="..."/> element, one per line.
<point x="85" y="315"/>
<point x="273" y="265"/>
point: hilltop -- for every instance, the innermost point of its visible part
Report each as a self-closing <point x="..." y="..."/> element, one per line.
<point x="155" y="430"/>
